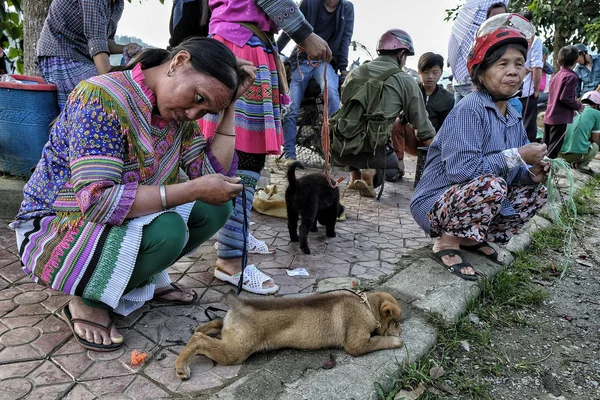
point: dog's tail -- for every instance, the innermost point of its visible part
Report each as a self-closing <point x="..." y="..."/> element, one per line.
<point x="291" y="174"/>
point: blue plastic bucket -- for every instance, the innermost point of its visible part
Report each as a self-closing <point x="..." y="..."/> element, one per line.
<point x="26" y="111"/>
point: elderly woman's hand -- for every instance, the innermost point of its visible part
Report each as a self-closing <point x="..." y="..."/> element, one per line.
<point x="216" y="189"/>
<point x="533" y="153"/>
<point x="247" y="74"/>
<point x="539" y="171"/>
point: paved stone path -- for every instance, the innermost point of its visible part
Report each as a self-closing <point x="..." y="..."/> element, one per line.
<point x="39" y="359"/>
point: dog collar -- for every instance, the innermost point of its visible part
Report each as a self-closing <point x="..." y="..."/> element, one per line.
<point x="363" y="296"/>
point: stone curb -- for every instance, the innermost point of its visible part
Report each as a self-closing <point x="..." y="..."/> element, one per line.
<point x="423" y="287"/>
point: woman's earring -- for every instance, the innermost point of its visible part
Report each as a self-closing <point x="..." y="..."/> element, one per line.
<point x="170" y="72"/>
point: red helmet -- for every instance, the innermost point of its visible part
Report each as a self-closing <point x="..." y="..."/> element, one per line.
<point x="497" y="31"/>
<point x="396" y="39"/>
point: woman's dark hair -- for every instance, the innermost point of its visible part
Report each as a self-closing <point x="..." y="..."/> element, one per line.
<point x="498" y="4"/>
<point x="208" y="56"/>
<point x="490" y="60"/>
<point x="567" y="56"/>
<point x="430" y="60"/>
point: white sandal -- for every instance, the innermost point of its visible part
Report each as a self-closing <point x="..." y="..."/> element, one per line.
<point x="255" y="246"/>
<point x="253" y="277"/>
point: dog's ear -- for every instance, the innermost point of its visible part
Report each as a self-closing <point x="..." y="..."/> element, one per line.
<point x="389" y="309"/>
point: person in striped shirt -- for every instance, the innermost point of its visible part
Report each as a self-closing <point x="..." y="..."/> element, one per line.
<point x="482" y="179"/>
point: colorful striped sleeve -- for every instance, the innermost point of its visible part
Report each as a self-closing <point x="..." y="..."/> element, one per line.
<point x="96" y="153"/>
<point x="198" y="160"/>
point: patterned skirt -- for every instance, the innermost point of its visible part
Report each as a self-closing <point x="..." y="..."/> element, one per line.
<point x="65" y="74"/>
<point x="89" y="260"/>
<point x="258" y="113"/>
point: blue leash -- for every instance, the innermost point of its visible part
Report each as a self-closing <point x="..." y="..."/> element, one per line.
<point x="245" y="234"/>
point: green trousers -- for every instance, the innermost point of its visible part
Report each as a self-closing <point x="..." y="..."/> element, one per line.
<point x="163" y="242"/>
<point x="582" y="160"/>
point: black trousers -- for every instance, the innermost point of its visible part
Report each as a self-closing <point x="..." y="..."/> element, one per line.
<point x="384" y="159"/>
<point x="530" y="116"/>
<point x="554" y="136"/>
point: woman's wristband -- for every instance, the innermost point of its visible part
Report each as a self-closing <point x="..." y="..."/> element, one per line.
<point x="163" y="196"/>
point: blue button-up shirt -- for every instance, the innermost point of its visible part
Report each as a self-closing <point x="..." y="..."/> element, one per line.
<point x="588" y="80"/>
<point x="470" y="144"/>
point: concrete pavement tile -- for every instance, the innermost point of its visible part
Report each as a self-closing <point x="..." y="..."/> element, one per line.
<point x="15" y="388"/>
<point x="143" y="389"/>
<point x="19" y="369"/>
<point x="49" y="374"/>
<point x="28" y="310"/>
<point x="122" y="321"/>
<point x="71" y="347"/>
<point x="104" y="387"/>
<point x="12" y="272"/>
<point x="79" y="392"/>
<point x="212" y="296"/>
<point x="28" y="286"/>
<point x="9" y="293"/>
<point x="7" y="257"/>
<point x="20" y="353"/>
<point x="203" y="381"/>
<point x="164" y="372"/>
<point x="201" y="266"/>
<point x="74" y="364"/>
<point x="6" y="306"/>
<point x="105" y="369"/>
<point x="226" y="371"/>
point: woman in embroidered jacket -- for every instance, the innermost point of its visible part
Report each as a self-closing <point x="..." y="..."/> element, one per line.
<point x="105" y="212"/>
<point x="258" y="114"/>
<point x="482" y="178"/>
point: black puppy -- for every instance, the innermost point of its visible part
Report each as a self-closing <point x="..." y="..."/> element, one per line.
<point x="313" y="199"/>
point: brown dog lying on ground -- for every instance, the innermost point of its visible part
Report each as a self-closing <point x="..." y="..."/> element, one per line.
<point x="358" y="323"/>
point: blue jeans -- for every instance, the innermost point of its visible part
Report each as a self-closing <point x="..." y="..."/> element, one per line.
<point x="460" y="91"/>
<point x="297" y="88"/>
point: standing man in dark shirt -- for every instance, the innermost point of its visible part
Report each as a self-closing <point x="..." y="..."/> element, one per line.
<point x="333" y="21"/>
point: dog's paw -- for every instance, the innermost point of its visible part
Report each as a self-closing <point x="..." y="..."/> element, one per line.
<point x="305" y="249"/>
<point x="183" y="373"/>
<point x="397" y="342"/>
<point x="294" y="238"/>
<point x="330" y="234"/>
<point x="314" y="229"/>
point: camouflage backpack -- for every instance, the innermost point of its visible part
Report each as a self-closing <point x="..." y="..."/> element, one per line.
<point x="360" y="126"/>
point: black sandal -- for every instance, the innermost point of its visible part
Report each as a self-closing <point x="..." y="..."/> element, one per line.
<point x="174" y="288"/>
<point x="68" y="318"/>
<point x="476" y="248"/>
<point x="455" y="268"/>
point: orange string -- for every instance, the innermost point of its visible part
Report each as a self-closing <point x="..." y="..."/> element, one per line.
<point x="325" y="139"/>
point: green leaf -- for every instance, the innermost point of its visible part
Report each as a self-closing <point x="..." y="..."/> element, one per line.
<point x="13" y="53"/>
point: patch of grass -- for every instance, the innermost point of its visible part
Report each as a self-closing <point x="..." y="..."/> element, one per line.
<point x="585" y="199"/>
<point x="551" y="238"/>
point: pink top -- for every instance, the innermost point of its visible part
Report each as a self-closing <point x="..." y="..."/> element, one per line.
<point x="227" y="15"/>
<point x="139" y="78"/>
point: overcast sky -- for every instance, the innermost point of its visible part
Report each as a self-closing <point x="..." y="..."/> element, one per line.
<point x="422" y="19"/>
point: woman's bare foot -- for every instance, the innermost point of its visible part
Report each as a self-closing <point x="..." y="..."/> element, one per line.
<point x="447" y="242"/>
<point x="232" y="266"/>
<point x="184" y="296"/>
<point x="91" y="333"/>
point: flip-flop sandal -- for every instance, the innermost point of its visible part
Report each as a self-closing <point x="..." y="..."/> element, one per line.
<point x="455" y="268"/>
<point x="174" y="289"/>
<point x="364" y="189"/>
<point x="476" y="248"/>
<point x="253" y="277"/>
<point x="255" y="246"/>
<point x="66" y="315"/>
